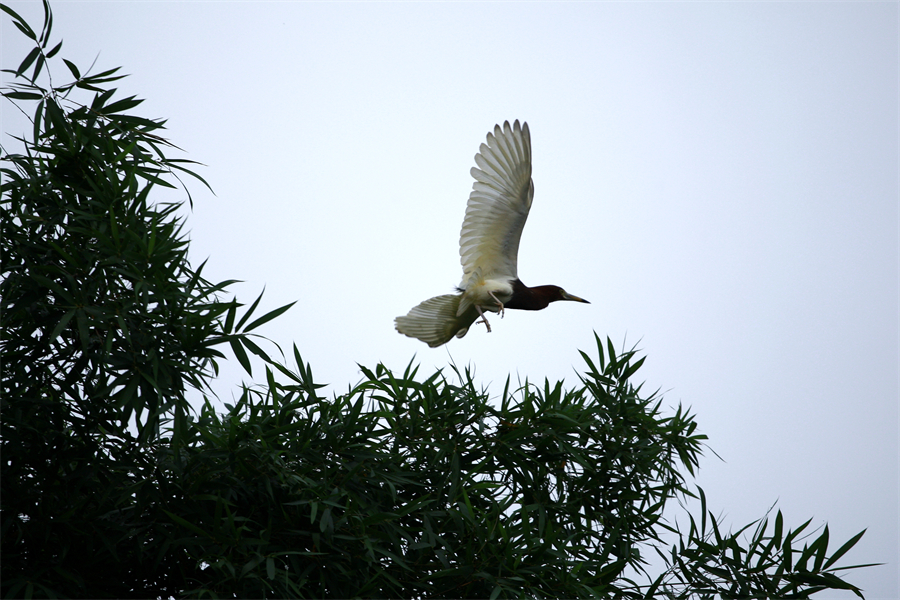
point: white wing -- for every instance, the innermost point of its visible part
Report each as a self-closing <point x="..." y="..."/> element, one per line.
<point x="498" y="205"/>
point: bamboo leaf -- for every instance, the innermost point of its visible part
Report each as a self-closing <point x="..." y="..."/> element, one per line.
<point x="269" y="316"/>
<point x="241" y="354"/>
<point x="250" y="310"/>
<point x="29" y="59"/>
<point x="843" y="549"/>
<point x="185" y="523"/>
<point x="72" y="68"/>
<point x="23" y="95"/>
<point x="54" y="50"/>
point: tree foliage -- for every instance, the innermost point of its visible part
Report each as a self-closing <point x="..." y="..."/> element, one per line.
<point x="405" y="486"/>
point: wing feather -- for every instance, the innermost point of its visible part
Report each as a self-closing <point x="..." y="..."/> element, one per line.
<point x="498" y="205"/>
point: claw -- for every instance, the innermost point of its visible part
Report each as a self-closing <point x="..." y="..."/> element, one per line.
<point x="500" y="304"/>
<point x="483" y="319"/>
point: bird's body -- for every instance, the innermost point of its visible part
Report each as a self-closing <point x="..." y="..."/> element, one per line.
<point x="488" y="245"/>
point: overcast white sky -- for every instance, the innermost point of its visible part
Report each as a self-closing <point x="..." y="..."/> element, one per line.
<point x="719" y="179"/>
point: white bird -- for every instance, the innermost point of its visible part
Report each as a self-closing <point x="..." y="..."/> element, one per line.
<point x="488" y="245"/>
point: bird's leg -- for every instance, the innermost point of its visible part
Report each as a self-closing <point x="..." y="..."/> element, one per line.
<point x="500" y="304"/>
<point x="483" y="319"/>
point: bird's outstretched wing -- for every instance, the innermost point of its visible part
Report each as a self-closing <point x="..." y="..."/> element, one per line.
<point x="498" y="205"/>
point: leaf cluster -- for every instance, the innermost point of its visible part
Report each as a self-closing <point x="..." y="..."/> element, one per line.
<point x="753" y="562"/>
<point x="105" y="325"/>
<point x="409" y="488"/>
<point x="403" y="488"/>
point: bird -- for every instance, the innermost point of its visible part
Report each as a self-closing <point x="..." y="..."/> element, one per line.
<point x="488" y="246"/>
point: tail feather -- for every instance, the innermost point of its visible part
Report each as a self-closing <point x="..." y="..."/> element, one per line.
<point x="435" y="321"/>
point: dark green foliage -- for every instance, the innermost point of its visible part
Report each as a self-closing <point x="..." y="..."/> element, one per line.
<point x="709" y="563"/>
<point x="113" y="486"/>
<point x="104" y="326"/>
<point x="410" y="488"/>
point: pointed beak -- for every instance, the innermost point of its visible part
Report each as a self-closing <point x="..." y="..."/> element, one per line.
<point x="567" y="296"/>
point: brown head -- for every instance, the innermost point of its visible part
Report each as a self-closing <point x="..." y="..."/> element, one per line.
<point x="536" y="298"/>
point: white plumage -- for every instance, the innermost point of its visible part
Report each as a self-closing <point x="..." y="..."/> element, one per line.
<point x="488" y="243"/>
<point x="499" y="203"/>
<point x="435" y="321"/>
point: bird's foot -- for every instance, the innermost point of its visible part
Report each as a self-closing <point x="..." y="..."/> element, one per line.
<point x="500" y="304"/>
<point x="483" y="319"/>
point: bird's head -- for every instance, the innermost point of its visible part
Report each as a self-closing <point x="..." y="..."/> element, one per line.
<point x="564" y="295"/>
<point x="537" y="298"/>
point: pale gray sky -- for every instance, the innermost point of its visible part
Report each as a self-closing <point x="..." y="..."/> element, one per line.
<point x="719" y="179"/>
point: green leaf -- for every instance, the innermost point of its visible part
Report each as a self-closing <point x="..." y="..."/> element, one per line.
<point x="229" y="317"/>
<point x="251" y="345"/>
<point x="72" y="68"/>
<point x="54" y="50"/>
<point x="633" y="368"/>
<point x="29" y="59"/>
<point x="269" y="316"/>
<point x="48" y="24"/>
<point x="61" y="325"/>
<point x="241" y="354"/>
<point x="121" y="105"/>
<point x="20" y="22"/>
<point x="38" y="115"/>
<point x="843" y="549"/>
<point x="251" y="565"/>
<point x="821" y="545"/>
<point x="185" y="523"/>
<point x="23" y="95"/>
<point x="250" y="310"/>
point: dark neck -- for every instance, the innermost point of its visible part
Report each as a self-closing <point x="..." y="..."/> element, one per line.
<point x="534" y="298"/>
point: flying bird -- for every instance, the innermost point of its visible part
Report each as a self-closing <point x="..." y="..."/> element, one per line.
<point x="488" y="246"/>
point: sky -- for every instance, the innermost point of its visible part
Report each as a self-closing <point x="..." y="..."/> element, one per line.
<point x="719" y="179"/>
